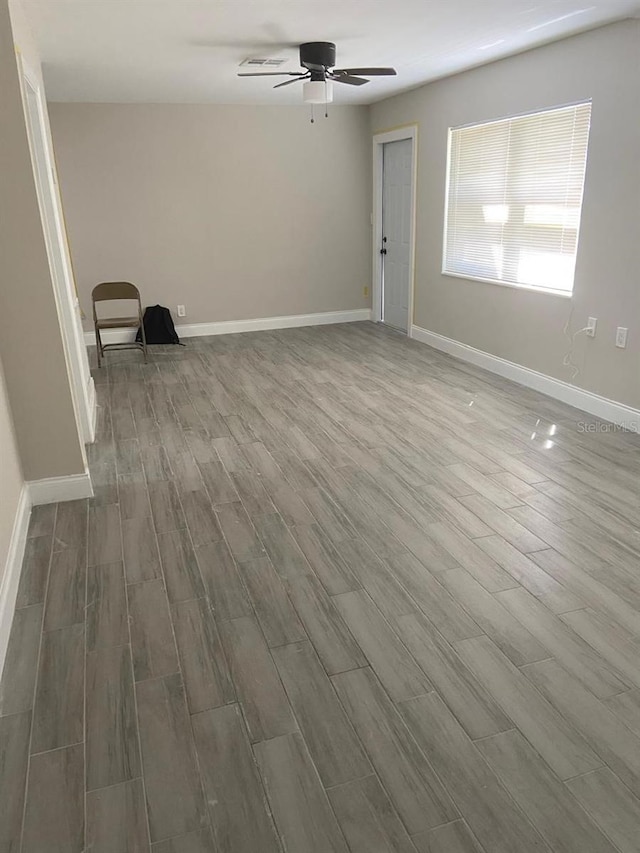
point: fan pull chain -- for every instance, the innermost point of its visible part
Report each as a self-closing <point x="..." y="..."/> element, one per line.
<point x="312" y="118"/>
<point x="326" y="109"/>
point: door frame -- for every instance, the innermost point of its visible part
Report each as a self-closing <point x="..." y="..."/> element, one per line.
<point x="409" y="131"/>
<point x="65" y="295"/>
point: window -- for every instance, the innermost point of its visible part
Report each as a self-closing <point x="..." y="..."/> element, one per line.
<point x="514" y="195"/>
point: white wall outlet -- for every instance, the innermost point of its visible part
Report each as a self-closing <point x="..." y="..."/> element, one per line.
<point x="621" y="337"/>
<point x="181" y="311"/>
<point x="592" y="322"/>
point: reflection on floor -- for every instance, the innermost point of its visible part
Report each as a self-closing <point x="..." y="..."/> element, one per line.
<point x="335" y="592"/>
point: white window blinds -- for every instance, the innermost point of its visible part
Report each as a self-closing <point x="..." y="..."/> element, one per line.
<point x="514" y="194"/>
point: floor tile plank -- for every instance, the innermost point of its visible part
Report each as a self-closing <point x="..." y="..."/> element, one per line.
<point x="105" y="544"/>
<point x="494" y="818"/>
<point x="454" y="837"/>
<point x="152" y="642"/>
<point x="327" y="630"/>
<point x="54" y="813"/>
<point x="542" y="797"/>
<point x="140" y="546"/>
<point x="194" y="842"/>
<point x="32" y="586"/>
<point x="65" y="603"/>
<point x="58" y="716"/>
<point x="526" y="571"/>
<point x="607" y="735"/>
<point x="117" y="819"/>
<point x="133" y="498"/>
<point x="515" y="641"/>
<point x="468" y="554"/>
<point x="42" y="520"/>
<point x="389" y="658"/>
<point x="200" y="517"/>
<point x="180" y="566"/>
<point x="611" y="805"/>
<point x="562" y="747"/>
<point x="112" y="753"/>
<point x="277" y="616"/>
<point x="433" y="598"/>
<point x="239" y="532"/>
<point x="367" y="818"/>
<point x="329" y="736"/>
<point x="175" y="801"/>
<point x="21" y="661"/>
<point x="564" y="644"/>
<point x="626" y="706"/>
<point x="217" y="483"/>
<point x="375" y="576"/>
<point x="71" y="526"/>
<point x="506" y="526"/>
<point x="240" y="819"/>
<point x="260" y="692"/>
<point x="14" y="755"/>
<point x="207" y="679"/>
<point x="166" y="507"/>
<point x="300" y="807"/>
<point x="106" y="612"/>
<point x="472" y="705"/>
<point x="415" y="791"/>
<point x="325" y="559"/>
<point x="222" y="582"/>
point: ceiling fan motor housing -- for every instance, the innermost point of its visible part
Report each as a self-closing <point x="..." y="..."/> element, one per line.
<point x="318" y="55"/>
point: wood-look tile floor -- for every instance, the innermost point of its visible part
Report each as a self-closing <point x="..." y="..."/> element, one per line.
<point x="335" y="592"/>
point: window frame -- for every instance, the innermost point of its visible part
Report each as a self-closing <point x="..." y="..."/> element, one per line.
<point x="549" y="291"/>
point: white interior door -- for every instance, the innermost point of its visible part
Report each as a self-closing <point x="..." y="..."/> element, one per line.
<point x="397" y="159"/>
<point x="69" y="316"/>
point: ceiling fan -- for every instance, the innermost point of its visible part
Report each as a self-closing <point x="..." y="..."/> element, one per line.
<point x="318" y="58"/>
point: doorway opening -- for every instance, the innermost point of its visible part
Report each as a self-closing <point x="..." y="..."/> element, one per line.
<point x="394" y="181"/>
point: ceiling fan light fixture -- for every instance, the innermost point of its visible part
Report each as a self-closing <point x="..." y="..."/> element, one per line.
<point x="318" y="92"/>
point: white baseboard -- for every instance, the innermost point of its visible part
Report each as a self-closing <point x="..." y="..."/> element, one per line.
<point x="12" y="569"/>
<point x="601" y="407"/>
<point x="55" y="489"/>
<point x="232" y="327"/>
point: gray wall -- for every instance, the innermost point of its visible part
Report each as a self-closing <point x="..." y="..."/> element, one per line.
<point x="521" y="326"/>
<point x="236" y="212"/>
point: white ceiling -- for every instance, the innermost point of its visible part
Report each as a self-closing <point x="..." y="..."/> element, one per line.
<point x="189" y="50"/>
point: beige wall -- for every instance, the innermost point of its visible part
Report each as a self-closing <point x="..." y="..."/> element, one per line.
<point x="517" y="325"/>
<point x="31" y="347"/>
<point x="235" y="212"/>
<point x="11" y="481"/>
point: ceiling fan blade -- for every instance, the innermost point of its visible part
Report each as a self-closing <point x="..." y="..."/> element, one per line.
<point x="368" y="72"/>
<point x="289" y="82"/>
<point x="270" y="74"/>
<point x="348" y="78"/>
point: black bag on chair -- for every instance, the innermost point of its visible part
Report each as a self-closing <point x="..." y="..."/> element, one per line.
<point x="158" y="326"/>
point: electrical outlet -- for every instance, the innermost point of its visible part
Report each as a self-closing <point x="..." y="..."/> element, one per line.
<point x="181" y="311"/>
<point x="621" y="337"/>
<point x="365" y="290"/>
<point x="591" y="327"/>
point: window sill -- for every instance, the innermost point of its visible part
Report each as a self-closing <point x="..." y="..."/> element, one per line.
<point x="563" y="294"/>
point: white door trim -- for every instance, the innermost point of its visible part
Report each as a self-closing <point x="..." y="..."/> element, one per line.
<point x="410" y="131"/>
<point x="80" y="379"/>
